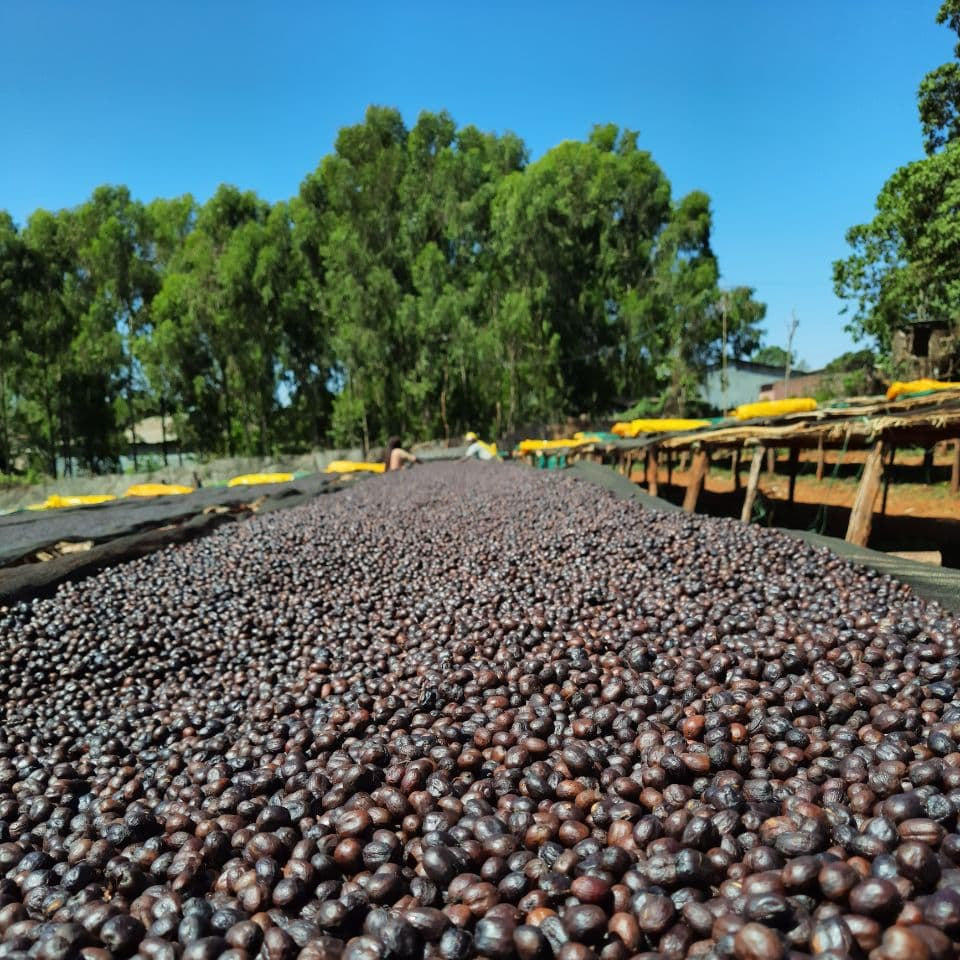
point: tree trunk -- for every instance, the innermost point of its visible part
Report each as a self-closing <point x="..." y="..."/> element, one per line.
<point x="66" y="445"/>
<point x="51" y="430"/>
<point x="227" y="410"/>
<point x="512" y="409"/>
<point x="131" y="420"/>
<point x="163" y="430"/>
<point x="6" y="457"/>
<point x="443" y="406"/>
<point x="315" y="413"/>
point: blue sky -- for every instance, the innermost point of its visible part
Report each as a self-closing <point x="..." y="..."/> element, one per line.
<point x="791" y="116"/>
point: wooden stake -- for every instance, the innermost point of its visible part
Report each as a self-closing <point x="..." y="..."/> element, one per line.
<point x="752" y="482"/>
<point x="886" y="481"/>
<point x="670" y="468"/>
<point x="955" y="470"/>
<point x="735" y="469"/>
<point x="698" y="471"/>
<point x="653" y="468"/>
<point x="820" y="458"/>
<point x="794" y="464"/>
<point x="771" y="461"/>
<point x="861" y="516"/>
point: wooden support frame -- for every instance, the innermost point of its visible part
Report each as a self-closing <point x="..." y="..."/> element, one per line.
<point x="653" y="470"/>
<point x="955" y="469"/>
<point x="794" y="465"/>
<point x="861" y="516"/>
<point x="735" y="469"/>
<point x="698" y="473"/>
<point x="771" y="461"/>
<point x="753" y="481"/>
<point x="820" y="458"/>
<point x="891" y="454"/>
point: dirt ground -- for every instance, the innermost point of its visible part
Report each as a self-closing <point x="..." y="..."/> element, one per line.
<point x="909" y="493"/>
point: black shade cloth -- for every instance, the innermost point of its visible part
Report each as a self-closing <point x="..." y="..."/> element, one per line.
<point x="940" y="584"/>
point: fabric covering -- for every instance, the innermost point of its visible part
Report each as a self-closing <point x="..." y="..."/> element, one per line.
<point x="157" y="490"/>
<point x="775" y="408"/>
<point x="899" y="388"/>
<point x="941" y="584"/>
<point x="353" y="466"/>
<point x="24" y="534"/>
<point x="57" y="502"/>
<point x="258" y="479"/>
<point x="633" y="428"/>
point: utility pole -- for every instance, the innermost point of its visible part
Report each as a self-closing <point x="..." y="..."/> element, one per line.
<point x="792" y="325"/>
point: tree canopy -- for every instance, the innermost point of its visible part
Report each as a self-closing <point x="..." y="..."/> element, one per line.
<point x="905" y="264"/>
<point x="774" y="356"/>
<point x="424" y="280"/>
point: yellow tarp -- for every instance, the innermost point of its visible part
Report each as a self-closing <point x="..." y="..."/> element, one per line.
<point x="897" y="389"/>
<point x="156" y="489"/>
<point x="253" y="479"/>
<point x="775" y="408"/>
<point x="353" y="466"/>
<point x="633" y="428"/>
<point x="56" y="502"/>
<point x="533" y="446"/>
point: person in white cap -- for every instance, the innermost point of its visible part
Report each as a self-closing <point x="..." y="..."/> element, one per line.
<point x="478" y="450"/>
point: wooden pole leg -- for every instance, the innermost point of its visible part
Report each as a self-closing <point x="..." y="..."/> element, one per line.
<point x="698" y="472"/>
<point x="653" y="470"/>
<point x="955" y="470"/>
<point x="820" y="458"/>
<point x="891" y="454"/>
<point x="753" y="481"/>
<point x="735" y="469"/>
<point x="794" y="466"/>
<point x="861" y="516"/>
<point x="771" y="461"/>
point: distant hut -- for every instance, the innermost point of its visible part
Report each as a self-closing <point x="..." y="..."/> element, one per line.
<point x="153" y="436"/>
<point x="926" y="348"/>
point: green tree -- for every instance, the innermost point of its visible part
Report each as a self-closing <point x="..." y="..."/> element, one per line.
<point x="115" y="259"/>
<point x="424" y="280"/>
<point x="939" y="94"/>
<point x="214" y="334"/>
<point x="774" y="356"/>
<point x="905" y="264"/>
<point x="14" y="269"/>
